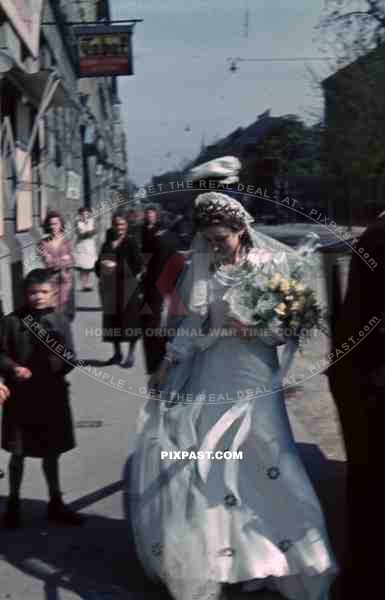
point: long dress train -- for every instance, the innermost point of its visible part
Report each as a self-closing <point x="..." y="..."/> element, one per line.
<point x="202" y="522"/>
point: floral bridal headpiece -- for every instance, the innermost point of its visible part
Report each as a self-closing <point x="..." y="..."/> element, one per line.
<point x="214" y="208"/>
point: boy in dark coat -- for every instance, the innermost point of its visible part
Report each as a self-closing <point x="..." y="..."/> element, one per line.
<point x="36" y="353"/>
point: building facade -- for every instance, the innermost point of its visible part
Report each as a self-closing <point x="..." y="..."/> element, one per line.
<point x="354" y="137"/>
<point x="58" y="148"/>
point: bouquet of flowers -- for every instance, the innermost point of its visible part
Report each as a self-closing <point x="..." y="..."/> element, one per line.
<point x="286" y="305"/>
<point x="277" y="301"/>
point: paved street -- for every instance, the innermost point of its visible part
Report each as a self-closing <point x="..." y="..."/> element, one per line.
<point x="97" y="562"/>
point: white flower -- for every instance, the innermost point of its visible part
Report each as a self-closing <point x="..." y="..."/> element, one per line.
<point x="266" y="303"/>
<point x="279" y="258"/>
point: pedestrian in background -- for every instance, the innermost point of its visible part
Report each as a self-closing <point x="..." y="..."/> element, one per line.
<point x="135" y="226"/>
<point x="85" y="249"/>
<point x="37" y="419"/>
<point x="164" y="262"/>
<point x="57" y="256"/>
<point x="119" y="268"/>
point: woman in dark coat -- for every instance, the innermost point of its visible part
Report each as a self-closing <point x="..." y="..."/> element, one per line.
<point x="119" y="268"/>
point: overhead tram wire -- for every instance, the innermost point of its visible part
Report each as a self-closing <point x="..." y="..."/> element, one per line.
<point x="234" y="61"/>
<point x="287" y="59"/>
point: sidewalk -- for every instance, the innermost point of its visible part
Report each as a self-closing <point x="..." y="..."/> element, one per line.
<point x="98" y="562"/>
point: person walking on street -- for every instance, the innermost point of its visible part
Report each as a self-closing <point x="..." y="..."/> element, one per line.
<point x="119" y="268"/>
<point x="159" y="245"/>
<point x="57" y="256"/>
<point x="200" y="525"/>
<point x="85" y="249"/>
<point x="135" y="226"/>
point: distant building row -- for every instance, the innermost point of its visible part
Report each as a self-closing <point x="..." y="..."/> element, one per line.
<point x="62" y="139"/>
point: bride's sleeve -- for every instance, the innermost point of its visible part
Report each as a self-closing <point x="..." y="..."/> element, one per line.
<point x="187" y="329"/>
<point x="184" y="343"/>
<point x="192" y="336"/>
<point x="178" y="321"/>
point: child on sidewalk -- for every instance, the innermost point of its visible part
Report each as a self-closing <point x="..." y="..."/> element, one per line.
<point x="36" y="353"/>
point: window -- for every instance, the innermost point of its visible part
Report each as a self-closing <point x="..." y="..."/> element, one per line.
<point x="58" y="128"/>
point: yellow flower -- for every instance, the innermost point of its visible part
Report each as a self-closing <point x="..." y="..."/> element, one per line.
<point x="277" y="277"/>
<point x="280" y="309"/>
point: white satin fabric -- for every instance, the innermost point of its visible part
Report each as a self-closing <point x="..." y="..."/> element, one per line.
<point x="201" y="523"/>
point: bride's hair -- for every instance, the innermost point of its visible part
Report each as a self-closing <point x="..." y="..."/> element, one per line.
<point x="235" y="228"/>
<point x="214" y="208"/>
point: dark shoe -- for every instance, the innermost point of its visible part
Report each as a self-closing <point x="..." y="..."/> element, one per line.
<point x="116" y="359"/>
<point x="11" y="517"/>
<point x="130" y="361"/>
<point x="60" y="513"/>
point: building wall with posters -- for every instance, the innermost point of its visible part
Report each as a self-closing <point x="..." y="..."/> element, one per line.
<point x="56" y="170"/>
<point x="41" y="150"/>
<point x="104" y="168"/>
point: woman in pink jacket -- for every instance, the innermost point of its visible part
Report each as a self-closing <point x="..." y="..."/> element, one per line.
<point x="57" y="255"/>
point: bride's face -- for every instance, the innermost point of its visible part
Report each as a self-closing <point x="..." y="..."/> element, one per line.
<point x="224" y="243"/>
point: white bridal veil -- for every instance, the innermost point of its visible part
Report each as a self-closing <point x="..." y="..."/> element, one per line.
<point x="193" y="284"/>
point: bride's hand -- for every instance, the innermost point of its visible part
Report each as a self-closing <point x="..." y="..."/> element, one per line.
<point x="241" y="329"/>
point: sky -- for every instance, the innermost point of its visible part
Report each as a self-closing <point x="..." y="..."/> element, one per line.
<point x="183" y="94"/>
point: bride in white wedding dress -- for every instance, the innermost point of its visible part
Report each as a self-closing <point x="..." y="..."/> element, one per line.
<point x="203" y="522"/>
